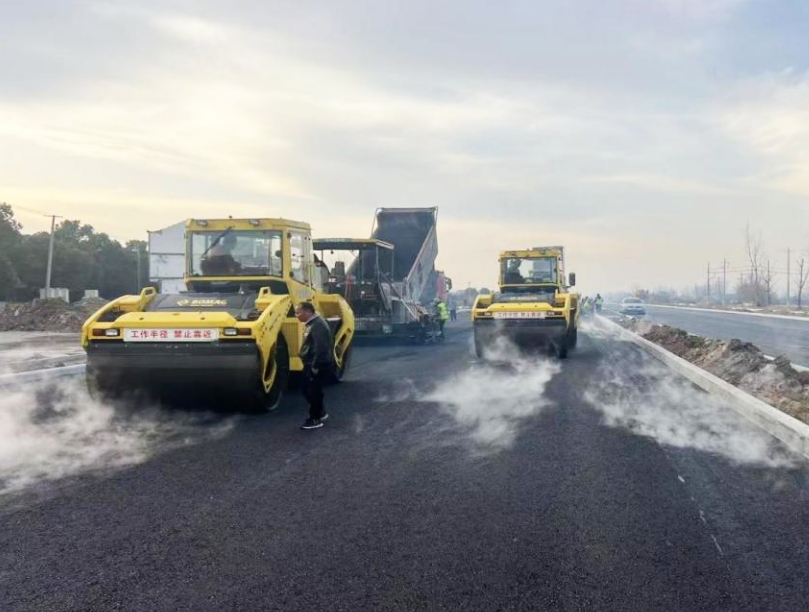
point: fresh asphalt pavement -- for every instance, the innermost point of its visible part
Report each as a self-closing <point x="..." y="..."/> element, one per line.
<point x="523" y="496"/>
<point x="772" y="335"/>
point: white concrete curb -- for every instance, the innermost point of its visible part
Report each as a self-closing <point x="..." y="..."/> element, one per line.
<point x="734" y="312"/>
<point x="798" y="367"/>
<point x="21" y="378"/>
<point x="795" y="366"/>
<point x="789" y="430"/>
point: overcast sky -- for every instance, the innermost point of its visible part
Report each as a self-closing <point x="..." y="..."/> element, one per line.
<point x="641" y="134"/>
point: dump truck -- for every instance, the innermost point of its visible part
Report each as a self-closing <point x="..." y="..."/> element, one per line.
<point x="390" y="278"/>
<point x="232" y="336"/>
<point x="534" y="305"/>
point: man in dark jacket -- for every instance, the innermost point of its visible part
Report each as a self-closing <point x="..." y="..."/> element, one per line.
<point x="318" y="363"/>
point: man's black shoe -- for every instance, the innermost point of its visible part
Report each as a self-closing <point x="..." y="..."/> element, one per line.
<point x="324" y="417"/>
<point x="312" y="424"/>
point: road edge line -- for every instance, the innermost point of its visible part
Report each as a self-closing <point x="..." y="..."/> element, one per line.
<point x="17" y="378"/>
<point x="789" y="430"/>
<point x="766" y="315"/>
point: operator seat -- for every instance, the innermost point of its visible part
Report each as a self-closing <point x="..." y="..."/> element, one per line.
<point x="219" y="265"/>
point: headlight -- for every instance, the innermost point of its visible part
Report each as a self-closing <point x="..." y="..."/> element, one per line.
<point x="107" y="333"/>
<point x="236" y="331"/>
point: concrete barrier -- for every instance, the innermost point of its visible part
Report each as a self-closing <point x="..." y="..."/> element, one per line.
<point x="789" y="430"/>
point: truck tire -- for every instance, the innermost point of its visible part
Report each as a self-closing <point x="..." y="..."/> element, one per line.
<point x="265" y="401"/>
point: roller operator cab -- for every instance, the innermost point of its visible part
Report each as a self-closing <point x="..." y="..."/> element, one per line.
<point x="534" y="305"/>
<point x="232" y="337"/>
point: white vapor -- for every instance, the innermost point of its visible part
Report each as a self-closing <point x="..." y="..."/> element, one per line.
<point x="52" y="431"/>
<point x="644" y="397"/>
<point x="493" y="398"/>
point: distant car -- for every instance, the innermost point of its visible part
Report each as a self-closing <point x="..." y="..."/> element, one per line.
<point x="633" y="306"/>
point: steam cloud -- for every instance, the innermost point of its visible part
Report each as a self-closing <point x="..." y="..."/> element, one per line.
<point x="493" y="397"/>
<point x="646" y="398"/>
<point x="56" y="430"/>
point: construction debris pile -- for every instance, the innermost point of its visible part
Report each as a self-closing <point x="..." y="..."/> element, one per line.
<point x="51" y="315"/>
<point x="740" y="363"/>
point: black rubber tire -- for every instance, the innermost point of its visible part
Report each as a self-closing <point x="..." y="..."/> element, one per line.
<point x="267" y="401"/>
<point x="107" y="388"/>
<point x="562" y="347"/>
<point x="573" y="338"/>
<point x="340" y="371"/>
<point x="96" y="389"/>
<point x="480" y="344"/>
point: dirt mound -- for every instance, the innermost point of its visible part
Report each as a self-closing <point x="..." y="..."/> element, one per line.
<point x="677" y="341"/>
<point x="90" y="305"/>
<point x="732" y="360"/>
<point x="740" y="363"/>
<point x="48" y="315"/>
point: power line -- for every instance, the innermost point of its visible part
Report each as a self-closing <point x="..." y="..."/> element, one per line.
<point x="50" y="257"/>
<point x="31" y="210"/>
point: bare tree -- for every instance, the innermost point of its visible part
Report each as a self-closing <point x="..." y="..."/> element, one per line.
<point x="756" y="260"/>
<point x="745" y="291"/>
<point x="802" y="276"/>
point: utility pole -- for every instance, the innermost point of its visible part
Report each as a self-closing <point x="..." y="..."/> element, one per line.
<point x="49" y="269"/>
<point x="769" y="277"/>
<point x="138" y="255"/>
<point x="724" y="281"/>
<point x="708" y="285"/>
<point x="50" y="255"/>
<point x="789" y="256"/>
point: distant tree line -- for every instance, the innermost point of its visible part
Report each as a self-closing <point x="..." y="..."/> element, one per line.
<point x="757" y="286"/>
<point x="756" y="283"/>
<point x="82" y="259"/>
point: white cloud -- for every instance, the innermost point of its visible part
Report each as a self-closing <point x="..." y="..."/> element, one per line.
<point x="770" y="117"/>
<point x="313" y="112"/>
<point x="194" y="29"/>
<point x="703" y="9"/>
<point x="661" y="183"/>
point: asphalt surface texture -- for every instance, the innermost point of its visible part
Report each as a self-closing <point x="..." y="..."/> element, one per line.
<point x="438" y="483"/>
<point x="773" y="336"/>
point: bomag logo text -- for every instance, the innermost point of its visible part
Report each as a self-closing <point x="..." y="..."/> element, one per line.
<point x="202" y="303"/>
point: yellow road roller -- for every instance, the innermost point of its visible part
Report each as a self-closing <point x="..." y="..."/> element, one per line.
<point x="534" y="305"/>
<point x="232" y="338"/>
